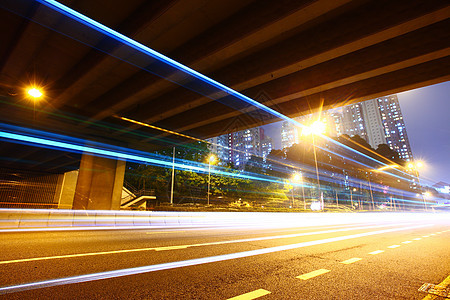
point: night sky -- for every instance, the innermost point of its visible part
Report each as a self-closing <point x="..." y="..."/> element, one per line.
<point x="426" y="112"/>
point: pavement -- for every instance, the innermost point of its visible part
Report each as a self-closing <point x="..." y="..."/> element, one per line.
<point x="364" y="260"/>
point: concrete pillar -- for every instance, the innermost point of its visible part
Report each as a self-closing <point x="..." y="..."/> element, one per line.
<point x="67" y="183"/>
<point x="99" y="184"/>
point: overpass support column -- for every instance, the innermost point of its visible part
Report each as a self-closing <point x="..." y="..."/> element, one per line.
<point x="99" y="184"/>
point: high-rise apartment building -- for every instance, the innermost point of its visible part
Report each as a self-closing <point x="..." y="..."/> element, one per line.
<point x="353" y="120"/>
<point x="373" y="123"/>
<point x="394" y="126"/>
<point x="266" y="146"/>
<point x="378" y="121"/>
<point x="238" y="147"/>
<point x="289" y="134"/>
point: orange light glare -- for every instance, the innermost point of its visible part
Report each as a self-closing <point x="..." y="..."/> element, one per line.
<point x="296" y="177"/>
<point x="387" y="167"/>
<point x="34" y="92"/>
<point x="318" y="127"/>
<point x="211" y="159"/>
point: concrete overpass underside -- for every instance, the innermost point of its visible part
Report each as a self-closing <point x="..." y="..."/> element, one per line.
<point x="292" y="56"/>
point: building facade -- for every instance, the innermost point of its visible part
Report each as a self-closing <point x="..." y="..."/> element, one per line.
<point x="394" y="126"/>
<point x="238" y="147"/>
<point x="289" y="134"/>
<point x="379" y="121"/>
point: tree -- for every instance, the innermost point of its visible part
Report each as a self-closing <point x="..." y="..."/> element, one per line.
<point x="385" y="151"/>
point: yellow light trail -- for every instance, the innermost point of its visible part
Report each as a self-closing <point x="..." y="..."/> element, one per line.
<point x="192" y="138"/>
<point x="161" y="129"/>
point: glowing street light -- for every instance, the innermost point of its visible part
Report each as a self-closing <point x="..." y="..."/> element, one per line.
<point x="296" y="177"/>
<point x="34" y="92"/>
<point x="413" y="167"/>
<point x="211" y="160"/>
<point x="318" y="127"/>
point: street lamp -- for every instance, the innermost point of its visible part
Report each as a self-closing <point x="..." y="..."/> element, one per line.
<point x="298" y="177"/>
<point x="316" y="128"/>
<point x="413" y="167"/>
<point x="211" y="160"/>
<point x="173" y="177"/>
<point x="34" y="92"/>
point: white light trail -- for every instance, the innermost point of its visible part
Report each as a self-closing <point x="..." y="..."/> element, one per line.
<point x="175" y="247"/>
<point x="186" y="263"/>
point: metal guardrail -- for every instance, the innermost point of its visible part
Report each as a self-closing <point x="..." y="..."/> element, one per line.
<point x="137" y="196"/>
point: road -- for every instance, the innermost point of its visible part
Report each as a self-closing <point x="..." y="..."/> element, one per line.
<point x="373" y="260"/>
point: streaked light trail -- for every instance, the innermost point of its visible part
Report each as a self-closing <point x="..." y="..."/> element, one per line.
<point x="160" y="57"/>
<point x="175" y="247"/>
<point x="198" y="167"/>
<point x="191" y="262"/>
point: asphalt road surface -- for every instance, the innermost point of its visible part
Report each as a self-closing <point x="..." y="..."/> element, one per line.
<point x="376" y="260"/>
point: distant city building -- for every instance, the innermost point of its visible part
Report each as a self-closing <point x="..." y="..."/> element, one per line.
<point x="289" y="134"/>
<point x="220" y="145"/>
<point x="336" y="122"/>
<point x="353" y="120"/>
<point x="238" y="147"/>
<point x="373" y="123"/>
<point x="378" y="121"/>
<point x="266" y="146"/>
<point x="394" y="126"/>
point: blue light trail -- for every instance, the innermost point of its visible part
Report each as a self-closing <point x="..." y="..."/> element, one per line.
<point x="57" y="6"/>
<point x="75" y="145"/>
